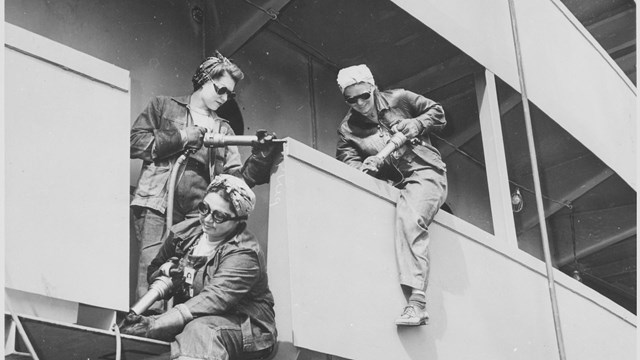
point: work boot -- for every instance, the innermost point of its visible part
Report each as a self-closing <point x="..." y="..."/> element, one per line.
<point x="414" y="314"/>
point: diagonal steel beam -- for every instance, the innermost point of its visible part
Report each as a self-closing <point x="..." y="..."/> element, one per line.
<point x="438" y="75"/>
<point x="599" y="229"/>
<point x="243" y="32"/>
<point x="530" y="219"/>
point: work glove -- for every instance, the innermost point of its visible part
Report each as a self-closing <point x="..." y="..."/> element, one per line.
<point x="162" y="327"/>
<point x="257" y="169"/>
<point x="371" y="165"/>
<point x="266" y="147"/>
<point x="409" y="127"/>
<point x="193" y="137"/>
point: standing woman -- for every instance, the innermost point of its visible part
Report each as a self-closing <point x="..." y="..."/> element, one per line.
<point x="416" y="169"/>
<point x="164" y="131"/>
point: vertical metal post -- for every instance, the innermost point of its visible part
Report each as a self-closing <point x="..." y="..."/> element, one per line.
<point x="312" y="103"/>
<point x="536" y="182"/>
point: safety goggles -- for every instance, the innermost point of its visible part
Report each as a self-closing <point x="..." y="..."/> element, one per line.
<point x="354" y="99"/>
<point x="223" y="90"/>
<point x="217" y="216"/>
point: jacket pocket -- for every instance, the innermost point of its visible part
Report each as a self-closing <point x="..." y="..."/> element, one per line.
<point x="154" y="178"/>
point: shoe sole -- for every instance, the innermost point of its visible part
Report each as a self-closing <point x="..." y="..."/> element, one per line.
<point x="412" y="323"/>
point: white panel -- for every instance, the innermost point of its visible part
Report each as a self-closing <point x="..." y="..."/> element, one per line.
<point x="40" y="306"/>
<point x="481" y="29"/>
<point x="336" y="276"/>
<point x="53" y="52"/>
<point x="67" y="174"/>
<point x="568" y="75"/>
<point x="573" y="83"/>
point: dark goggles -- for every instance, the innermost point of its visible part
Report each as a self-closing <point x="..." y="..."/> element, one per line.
<point x="223" y="90"/>
<point x="217" y="216"/>
<point x="354" y="99"/>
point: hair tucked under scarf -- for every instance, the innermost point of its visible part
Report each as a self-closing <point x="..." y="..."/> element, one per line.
<point x="214" y="67"/>
<point x="354" y="74"/>
<point x="241" y="196"/>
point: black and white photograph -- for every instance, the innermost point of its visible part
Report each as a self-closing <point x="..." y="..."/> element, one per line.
<point x="319" y="179"/>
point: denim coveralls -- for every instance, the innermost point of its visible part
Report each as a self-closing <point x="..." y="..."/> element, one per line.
<point x="416" y="169"/>
<point x="231" y="308"/>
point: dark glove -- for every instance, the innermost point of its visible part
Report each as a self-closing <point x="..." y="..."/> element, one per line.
<point x="257" y="169"/>
<point x="135" y="325"/>
<point x="371" y="165"/>
<point x="409" y="127"/>
<point x="162" y="327"/>
<point x="266" y="147"/>
<point x="193" y="137"/>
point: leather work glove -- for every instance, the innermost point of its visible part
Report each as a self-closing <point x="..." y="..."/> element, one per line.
<point x="257" y="169"/>
<point x="193" y="137"/>
<point x="409" y="127"/>
<point x="135" y="325"/>
<point x="266" y="147"/>
<point x="162" y="327"/>
<point x="371" y="165"/>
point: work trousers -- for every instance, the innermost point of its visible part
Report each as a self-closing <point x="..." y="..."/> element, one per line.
<point x="213" y="338"/>
<point x="422" y="192"/>
<point x="150" y="224"/>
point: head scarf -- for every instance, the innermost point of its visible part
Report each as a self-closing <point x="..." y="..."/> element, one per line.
<point x="203" y="73"/>
<point x="242" y="197"/>
<point x="354" y="74"/>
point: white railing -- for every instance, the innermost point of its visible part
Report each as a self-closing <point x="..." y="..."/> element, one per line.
<point x="333" y="273"/>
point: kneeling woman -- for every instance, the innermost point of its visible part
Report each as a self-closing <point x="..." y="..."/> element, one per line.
<point x="224" y="306"/>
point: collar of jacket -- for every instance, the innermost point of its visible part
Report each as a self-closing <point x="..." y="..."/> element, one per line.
<point x="381" y="99"/>
<point x="184" y="101"/>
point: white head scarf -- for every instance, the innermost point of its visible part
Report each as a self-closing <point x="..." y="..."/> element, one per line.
<point x="354" y="74"/>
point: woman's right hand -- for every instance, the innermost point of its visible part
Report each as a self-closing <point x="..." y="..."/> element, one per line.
<point x="193" y="137"/>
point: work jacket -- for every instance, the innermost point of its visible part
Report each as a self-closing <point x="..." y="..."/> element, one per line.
<point x="359" y="137"/>
<point x="155" y="138"/>
<point x="231" y="281"/>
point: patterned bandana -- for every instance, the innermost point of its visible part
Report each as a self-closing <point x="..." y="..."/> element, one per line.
<point x="353" y="75"/>
<point x="242" y="197"/>
<point x="203" y="72"/>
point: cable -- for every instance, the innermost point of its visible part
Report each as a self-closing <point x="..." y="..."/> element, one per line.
<point x="536" y="182"/>
<point x="273" y="14"/>
<point x="172" y="187"/>
<point x="465" y="154"/>
<point x="116" y="329"/>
